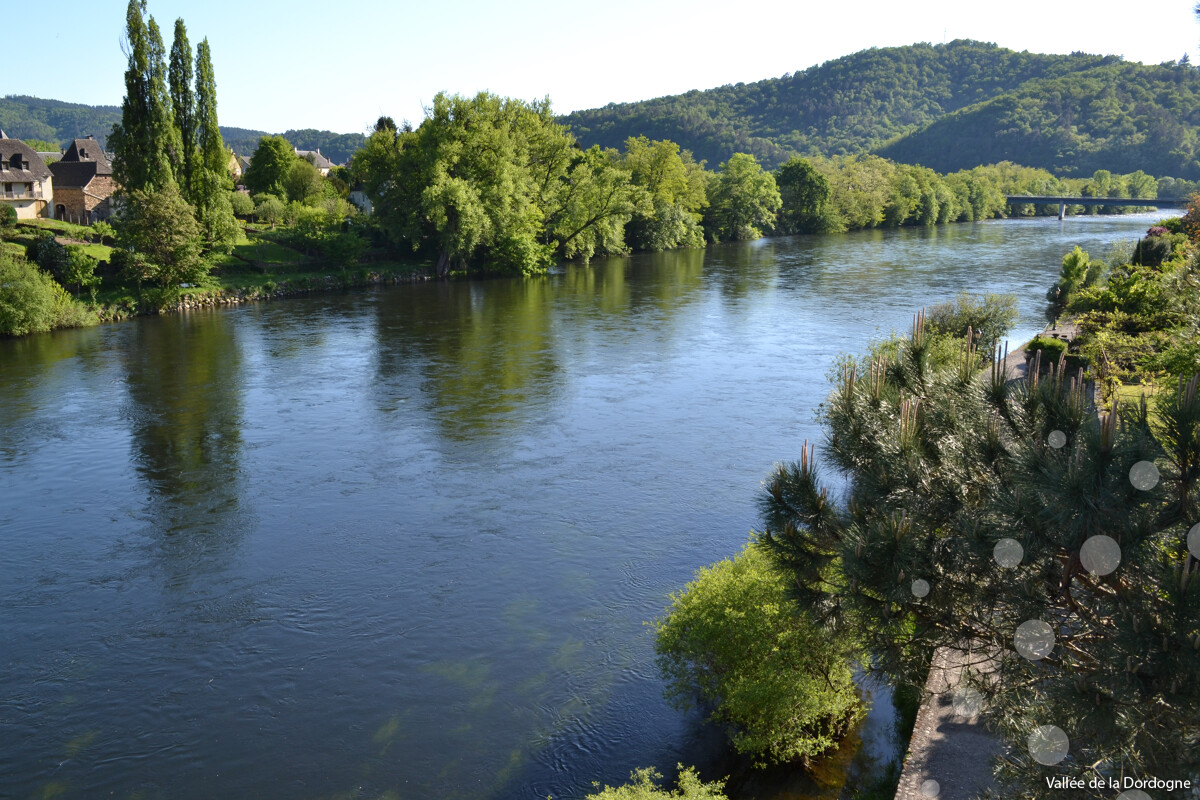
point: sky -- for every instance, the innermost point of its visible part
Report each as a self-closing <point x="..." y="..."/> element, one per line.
<point x="340" y="67"/>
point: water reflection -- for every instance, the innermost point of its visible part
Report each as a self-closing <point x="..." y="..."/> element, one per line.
<point x="184" y="385"/>
<point x="48" y="381"/>
<point x="403" y="543"/>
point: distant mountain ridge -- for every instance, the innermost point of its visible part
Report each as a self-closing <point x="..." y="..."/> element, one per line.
<point x="24" y="117"/>
<point x="949" y="106"/>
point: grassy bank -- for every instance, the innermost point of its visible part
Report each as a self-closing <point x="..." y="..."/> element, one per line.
<point x="261" y="266"/>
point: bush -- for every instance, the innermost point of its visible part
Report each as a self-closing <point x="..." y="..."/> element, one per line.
<point x="103" y="232"/>
<point x="990" y="316"/>
<point x="31" y="302"/>
<point x="642" y="786"/>
<point x="243" y="206"/>
<point x="1154" y="249"/>
<point x="8" y="217"/>
<point x="269" y="209"/>
<point x="737" y="640"/>
<point x="1051" y="348"/>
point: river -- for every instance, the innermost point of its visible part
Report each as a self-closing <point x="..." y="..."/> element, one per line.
<point x="402" y="543"/>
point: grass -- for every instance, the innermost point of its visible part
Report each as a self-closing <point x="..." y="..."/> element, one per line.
<point x="100" y="252"/>
<point x="1129" y="396"/>
<point x="259" y="252"/>
<point x="59" y="227"/>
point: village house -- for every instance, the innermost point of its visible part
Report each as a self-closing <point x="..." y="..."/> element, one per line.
<point x="83" y="183"/>
<point x="27" y="184"/>
<point x="315" y="158"/>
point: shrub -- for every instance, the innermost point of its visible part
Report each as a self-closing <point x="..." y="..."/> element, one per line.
<point x="8" y="217"/>
<point x="1155" y="248"/>
<point x="1051" y="348"/>
<point x="269" y="209"/>
<point x="31" y="302"/>
<point x="737" y="640"/>
<point x="243" y="206"/>
<point x="642" y="786"/>
<point x="102" y="232"/>
<point x="990" y="316"/>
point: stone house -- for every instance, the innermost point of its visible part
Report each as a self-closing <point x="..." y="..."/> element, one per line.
<point x="26" y="183"/>
<point x="83" y="183"/>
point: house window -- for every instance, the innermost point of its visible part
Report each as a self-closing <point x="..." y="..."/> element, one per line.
<point x="14" y="163"/>
<point x="82" y="152"/>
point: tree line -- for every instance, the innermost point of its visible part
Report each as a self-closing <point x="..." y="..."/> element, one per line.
<point x="497" y="185"/>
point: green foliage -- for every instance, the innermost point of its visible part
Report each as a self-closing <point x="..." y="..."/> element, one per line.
<point x="1190" y="222"/>
<point x="303" y="182"/>
<point x="1051" y="348"/>
<point x="50" y="121"/>
<point x="211" y="183"/>
<point x="218" y="225"/>
<point x="1078" y="272"/>
<point x="989" y="317"/>
<point x="144" y="143"/>
<point x="337" y="147"/>
<point x="804" y="192"/>
<point x="48" y="253"/>
<point x="736" y="639"/>
<point x="677" y="188"/>
<point x="345" y="248"/>
<point x="1156" y="247"/>
<point x="269" y="209"/>
<point x="242" y="204"/>
<point x="1109" y="115"/>
<point x="743" y="199"/>
<point x="942" y="463"/>
<point x="102" y="232"/>
<point x="1142" y="320"/>
<point x="162" y="239"/>
<point x="494" y="184"/>
<point x="31" y="302"/>
<point x="183" y="103"/>
<point x="270" y="166"/>
<point x="643" y="785"/>
<point x="8" y="217"/>
<point x="847" y="105"/>
<point x="42" y="146"/>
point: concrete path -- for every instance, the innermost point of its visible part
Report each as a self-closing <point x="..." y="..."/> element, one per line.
<point x="949" y="744"/>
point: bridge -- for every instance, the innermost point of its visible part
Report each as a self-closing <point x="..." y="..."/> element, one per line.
<point x="1063" y="202"/>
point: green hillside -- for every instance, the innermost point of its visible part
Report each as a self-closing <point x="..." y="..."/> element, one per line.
<point x="23" y="117"/>
<point x="849" y="105"/>
<point x="1121" y="117"/>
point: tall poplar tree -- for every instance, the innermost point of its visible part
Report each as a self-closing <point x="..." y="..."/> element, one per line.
<point x="183" y="102"/>
<point x="212" y="185"/>
<point x="144" y="140"/>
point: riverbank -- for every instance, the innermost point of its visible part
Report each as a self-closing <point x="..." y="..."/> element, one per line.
<point x="241" y="288"/>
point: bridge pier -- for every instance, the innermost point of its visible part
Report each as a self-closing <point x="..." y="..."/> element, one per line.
<point x="1062" y="211"/>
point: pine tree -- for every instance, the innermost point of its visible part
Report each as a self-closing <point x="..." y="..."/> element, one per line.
<point x="981" y="508"/>
<point x="183" y="103"/>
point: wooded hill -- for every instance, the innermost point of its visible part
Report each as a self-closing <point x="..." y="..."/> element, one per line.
<point x="23" y="117"/>
<point x="949" y="106"/>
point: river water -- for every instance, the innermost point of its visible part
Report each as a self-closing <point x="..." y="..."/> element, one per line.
<point x="402" y="543"/>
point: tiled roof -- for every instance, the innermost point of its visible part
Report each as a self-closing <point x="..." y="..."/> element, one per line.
<point x="88" y="150"/>
<point x="319" y="161"/>
<point x="75" y="173"/>
<point x="33" y="168"/>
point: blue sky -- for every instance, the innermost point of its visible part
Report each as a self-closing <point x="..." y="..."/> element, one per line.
<point x="339" y="66"/>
